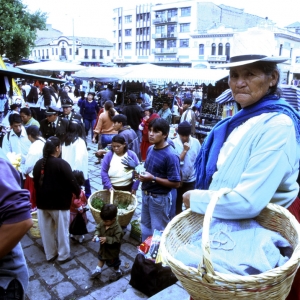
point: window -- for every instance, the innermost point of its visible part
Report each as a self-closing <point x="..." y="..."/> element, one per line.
<point x="227" y="51"/>
<point x="128" y="46"/>
<point x="107" y="52"/>
<point x="120" y="33"/>
<point x="39" y="52"/>
<point x="86" y="53"/>
<point x="185" y="27"/>
<point x="120" y="46"/>
<point x="128" y="19"/>
<point x="70" y="51"/>
<point x="147" y="45"/>
<point x="127" y="32"/>
<point x="159" y="29"/>
<point x="280" y="50"/>
<point x="201" y="49"/>
<point x="52" y="51"/>
<point x="220" y="49"/>
<point x="47" y="53"/>
<point x="159" y="44"/>
<point x="185" y="11"/>
<point x="172" y="13"/>
<point x="184" y="43"/>
<point x="43" y="53"/>
<point x="101" y="53"/>
<point x="213" y="49"/>
<point x="93" y="53"/>
<point x="171" y="44"/>
<point x="120" y="20"/>
<point x="291" y="52"/>
<point x="56" y="51"/>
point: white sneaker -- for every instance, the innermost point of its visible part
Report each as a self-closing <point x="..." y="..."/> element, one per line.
<point x="95" y="273"/>
<point x="80" y="240"/>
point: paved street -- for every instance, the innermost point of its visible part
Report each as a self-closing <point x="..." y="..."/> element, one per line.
<point x="71" y="280"/>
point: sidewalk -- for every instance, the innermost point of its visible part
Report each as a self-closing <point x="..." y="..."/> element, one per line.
<point x="70" y="281"/>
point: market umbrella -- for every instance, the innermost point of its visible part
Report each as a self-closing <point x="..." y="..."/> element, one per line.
<point x="101" y="74"/>
<point x="48" y="67"/>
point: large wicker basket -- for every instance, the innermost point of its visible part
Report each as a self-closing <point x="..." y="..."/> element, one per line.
<point x="35" y="229"/>
<point x="207" y="284"/>
<point x="119" y="197"/>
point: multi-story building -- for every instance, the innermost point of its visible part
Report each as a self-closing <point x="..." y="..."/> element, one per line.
<point x="161" y="33"/>
<point x="53" y="45"/>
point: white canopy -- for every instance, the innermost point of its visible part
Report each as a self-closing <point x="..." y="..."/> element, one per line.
<point x="53" y="66"/>
<point x="154" y="74"/>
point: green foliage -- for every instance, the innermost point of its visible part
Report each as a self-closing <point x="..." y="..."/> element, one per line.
<point x="97" y="203"/>
<point x="18" y="29"/>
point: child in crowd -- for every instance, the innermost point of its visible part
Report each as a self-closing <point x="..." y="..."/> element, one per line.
<point x="109" y="233"/>
<point x="78" y="206"/>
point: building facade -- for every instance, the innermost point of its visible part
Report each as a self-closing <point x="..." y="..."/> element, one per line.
<point x="53" y="45"/>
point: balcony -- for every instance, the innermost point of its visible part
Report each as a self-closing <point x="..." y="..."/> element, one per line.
<point x="164" y="50"/>
<point x="217" y="58"/>
<point x="164" y="19"/>
<point x="169" y="35"/>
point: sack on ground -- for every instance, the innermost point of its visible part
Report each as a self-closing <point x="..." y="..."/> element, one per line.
<point x="150" y="278"/>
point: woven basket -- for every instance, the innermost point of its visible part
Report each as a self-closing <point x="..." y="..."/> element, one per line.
<point x="118" y="197"/>
<point x="35" y="229"/>
<point x="208" y="285"/>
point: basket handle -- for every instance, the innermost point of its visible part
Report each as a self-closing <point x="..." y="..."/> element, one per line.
<point x="111" y="201"/>
<point x="205" y="235"/>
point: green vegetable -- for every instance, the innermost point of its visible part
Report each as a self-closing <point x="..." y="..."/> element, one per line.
<point x="97" y="203"/>
<point x="122" y="206"/>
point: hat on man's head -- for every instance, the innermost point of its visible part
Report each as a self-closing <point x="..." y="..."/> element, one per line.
<point x="251" y="46"/>
<point x="66" y="102"/>
<point x="188" y="101"/>
<point x="184" y="128"/>
<point x="132" y="97"/>
<point x="52" y="110"/>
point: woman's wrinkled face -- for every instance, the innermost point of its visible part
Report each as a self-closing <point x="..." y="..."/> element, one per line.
<point x="249" y="84"/>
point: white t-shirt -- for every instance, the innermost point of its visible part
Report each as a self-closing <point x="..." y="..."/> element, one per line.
<point x="116" y="172"/>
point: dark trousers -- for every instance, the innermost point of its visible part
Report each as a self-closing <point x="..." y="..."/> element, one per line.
<point x="126" y="188"/>
<point x="186" y="186"/>
<point x="14" y="291"/>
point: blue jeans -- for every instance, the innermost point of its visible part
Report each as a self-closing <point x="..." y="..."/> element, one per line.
<point x="106" y="139"/>
<point x="155" y="213"/>
<point x="173" y="205"/>
<point x="14" y="291"/>
<point x="89" y="124"/>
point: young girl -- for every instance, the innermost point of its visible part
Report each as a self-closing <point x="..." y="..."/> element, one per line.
<point x="78" y="206"/>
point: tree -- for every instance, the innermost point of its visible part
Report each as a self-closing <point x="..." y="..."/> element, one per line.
<point x="18" y="29"/>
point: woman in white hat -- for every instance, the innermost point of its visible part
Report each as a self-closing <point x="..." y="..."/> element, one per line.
<point x="253" y="156"/>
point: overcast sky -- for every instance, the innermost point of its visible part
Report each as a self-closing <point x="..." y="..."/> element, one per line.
<point x="93" y="18"/>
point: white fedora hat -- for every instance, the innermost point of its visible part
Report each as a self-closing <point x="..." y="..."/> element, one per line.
<point x="252" y="46"/>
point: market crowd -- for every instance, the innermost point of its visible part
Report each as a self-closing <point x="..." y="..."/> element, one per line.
<point x="247" y="161"/>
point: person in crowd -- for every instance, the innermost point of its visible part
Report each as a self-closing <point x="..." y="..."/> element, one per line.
<point x="134" y="114"/>
<point x="165" y="113"/>
<point x="77" y="83"/>
<point x="75" y="153"/>
<point x="81" y="99"/>
<point x="113" y="173"/>
<point x="16" y="140"/>
<point x="69" y="114"/>
<point x="44" y="101"/>
<point x="27" y="118"/>
<point x="26" y="87"/>
<point x="105" y="125"/>
<point x="161" y="176"/>
<point x="55" y="185"/>
<point x="54" y="125"/>
<point x="107" y="94"/>
<point x="15" y="222"/>
<point x="256" y="152"/>
<point x="68" y="90"/>
<point x="188" y="114"/>
<point x="187" y="148"/>
<point x="124" y="130"/>
<point x="35" y="153"/>
<point x="32" y="99"/>
<point x="139" y="101"/>
<point x="149" y="116"/>
<point x="78" y="206"/>
<point x="22" y="91"/>
<point x="89" y="110"/>
<point x="109" y="233"/>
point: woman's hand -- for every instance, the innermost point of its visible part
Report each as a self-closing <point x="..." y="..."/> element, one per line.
<point x="111" y="189"/>
<point x="146" y="176"/>
<point x="186" y="199"/>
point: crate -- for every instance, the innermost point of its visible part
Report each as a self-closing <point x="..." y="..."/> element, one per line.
<point x="136" y="232"/>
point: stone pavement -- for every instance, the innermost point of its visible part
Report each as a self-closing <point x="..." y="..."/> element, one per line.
<point x="71" y="281"/>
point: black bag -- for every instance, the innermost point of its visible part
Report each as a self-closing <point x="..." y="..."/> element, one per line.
<point x="149" y="277"/>
<point x="78" y="226"/>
